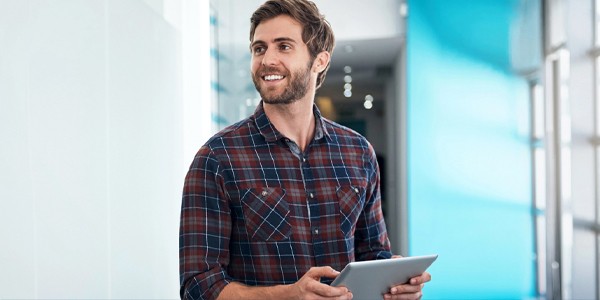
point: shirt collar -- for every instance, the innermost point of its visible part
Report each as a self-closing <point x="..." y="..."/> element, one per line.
<point x="271" y="134"/>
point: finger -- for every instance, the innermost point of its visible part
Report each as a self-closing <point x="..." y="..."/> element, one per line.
<point x="318" y="272"/>
<point x="425" y="277"/>
<point x="397" y="256"/>
<point x="347" y="296"/>
<point x="405" y="288"/>
<point x="411" y="296"/>
<point x="326" y="290"/>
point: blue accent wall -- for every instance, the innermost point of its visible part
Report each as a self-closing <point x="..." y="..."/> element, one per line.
<point x="469" y="164"/>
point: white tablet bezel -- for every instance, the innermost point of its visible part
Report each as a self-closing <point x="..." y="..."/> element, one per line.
<point x="371" y="279"/>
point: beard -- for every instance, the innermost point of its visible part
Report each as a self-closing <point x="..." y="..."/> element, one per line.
<point x="294" y="91"/>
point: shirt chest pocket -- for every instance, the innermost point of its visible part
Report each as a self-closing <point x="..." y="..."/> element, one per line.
<point x="351" y="202"/>
<point x="266" y="214"/>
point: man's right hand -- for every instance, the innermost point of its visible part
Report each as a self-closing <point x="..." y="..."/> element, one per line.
<point x="310" y="287"/>
<point x="307" y="288"/>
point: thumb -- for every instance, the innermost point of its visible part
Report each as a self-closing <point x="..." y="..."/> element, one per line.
<point x="318" y="272"/>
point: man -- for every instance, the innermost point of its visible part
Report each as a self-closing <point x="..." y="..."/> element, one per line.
<point x="275" y="204"/>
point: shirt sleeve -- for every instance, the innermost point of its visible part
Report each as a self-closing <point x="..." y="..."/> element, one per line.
<point x="205" y="230"/>
<point x="371" y="239"/>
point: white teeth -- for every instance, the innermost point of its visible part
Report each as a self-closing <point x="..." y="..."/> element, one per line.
<point x="273" y="77"/>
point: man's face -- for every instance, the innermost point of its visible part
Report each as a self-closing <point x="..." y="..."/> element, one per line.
<point x="281" y="64"/>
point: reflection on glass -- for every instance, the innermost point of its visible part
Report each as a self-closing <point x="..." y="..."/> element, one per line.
<point x="233" y="85"/>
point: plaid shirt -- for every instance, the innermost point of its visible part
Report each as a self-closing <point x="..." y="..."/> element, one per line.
<point x="258" y="211"/>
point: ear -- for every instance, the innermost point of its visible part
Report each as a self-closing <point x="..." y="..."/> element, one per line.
<point x="321" y="61"/>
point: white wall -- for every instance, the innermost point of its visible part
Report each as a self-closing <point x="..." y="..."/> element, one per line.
<point x="95" y="145"/>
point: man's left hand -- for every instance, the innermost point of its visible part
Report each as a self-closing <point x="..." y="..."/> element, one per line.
<point x="409" y="291"/>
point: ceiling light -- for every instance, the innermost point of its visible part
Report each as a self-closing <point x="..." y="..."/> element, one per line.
<point x="369" y="98"/>
<point x="403" y="10"/>
<point x="349" y="48"/>
<point x="347" y="79"/>
<point x="348" y="93"/>
<point x="368" y="104"/>
<point x="347" y="86"/>
<point x="347" y="69"/>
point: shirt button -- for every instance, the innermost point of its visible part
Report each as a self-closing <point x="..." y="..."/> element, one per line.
<point x="264" y="193"/>
<point x="311" y="195"/>
<point x="316" y="230"/>
<point x="356" y="190"/>
<point x="303" y="159"/>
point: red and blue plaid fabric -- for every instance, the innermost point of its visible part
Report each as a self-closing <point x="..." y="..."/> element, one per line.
<point x="258" y="211"/>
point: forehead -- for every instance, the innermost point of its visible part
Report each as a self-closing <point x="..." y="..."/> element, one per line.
<point x="282" y="26"/>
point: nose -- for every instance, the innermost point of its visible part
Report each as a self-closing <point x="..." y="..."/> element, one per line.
<point x="270" y="58"/>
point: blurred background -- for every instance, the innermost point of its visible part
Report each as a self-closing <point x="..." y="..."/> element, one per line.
<point x="485" y="116"/>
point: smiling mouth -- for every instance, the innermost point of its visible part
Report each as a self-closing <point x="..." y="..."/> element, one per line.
<point x="272" y="77"/>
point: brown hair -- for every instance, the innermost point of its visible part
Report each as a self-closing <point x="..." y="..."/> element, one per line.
<point x="316" y="31"/>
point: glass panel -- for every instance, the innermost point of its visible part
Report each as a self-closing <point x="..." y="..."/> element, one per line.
<point x="540" y="178"/>
<point x="233" y="87"/>
<point x="597" y="149"/>
<point x="538" y="111"/>
<point x="539" y="163"/>
<point x="597" y="96"/>
<point x="597" y="23"/>
<point x="541" y="253"/>
<point x="597" y="264"/>
<point x="469" y="161"/>
<point x="214" y="68"/>
<point x="584" y="241"/>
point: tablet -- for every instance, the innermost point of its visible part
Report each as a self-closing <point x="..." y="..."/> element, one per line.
<point x="371" y="279"/>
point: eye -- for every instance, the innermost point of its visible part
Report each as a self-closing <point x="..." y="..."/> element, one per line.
<point x="285" y="47"/>
<point x="258" y="49"/>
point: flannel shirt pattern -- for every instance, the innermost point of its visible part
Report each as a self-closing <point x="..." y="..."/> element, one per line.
<point x="258" y="211"/>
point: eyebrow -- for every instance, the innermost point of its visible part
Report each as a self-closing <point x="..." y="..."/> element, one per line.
<point x="277" y="40"/>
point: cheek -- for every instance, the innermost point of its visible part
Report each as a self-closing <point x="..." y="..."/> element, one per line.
<point x="254" y="65"/>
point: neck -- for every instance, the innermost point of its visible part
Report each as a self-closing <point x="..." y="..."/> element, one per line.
<point x="295" y="121"/>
